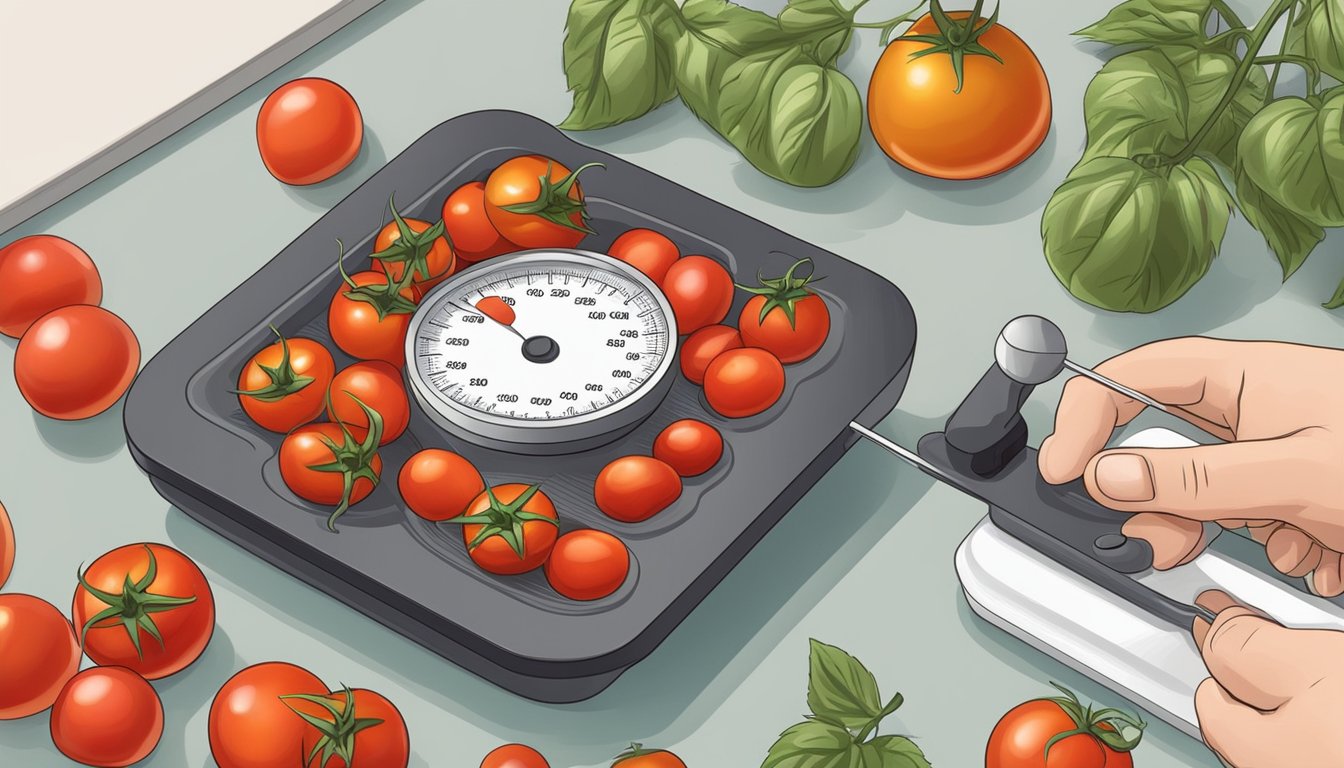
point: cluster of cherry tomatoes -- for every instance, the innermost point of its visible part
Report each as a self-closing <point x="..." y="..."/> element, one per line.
<point x="523" y="756"/>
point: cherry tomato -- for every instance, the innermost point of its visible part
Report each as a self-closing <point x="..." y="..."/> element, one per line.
<point x="650" y="252"/>
<point x="307" y="465"/>
<point x="700" y="291"/>
<point x="690" y="447"/>
<point x="309" y="130"/>
<point x="701" y="347"/>
<point x="250" y="726"/>
<point x="6" y="546"/>
<point x="431" y="257"/>
<point x="474" y="237"/>
<point x="638" y="757"/>
<point x="108" y="717"/>
<point x="632" y="489"/>
<point x="514" y="756"/>
<point x="1019" y="739"/>
<point x="384" y="745"/>
<point x="995" y="118"/>
<point x="488" y="525"/>
<point x="438" y="484"/>
<point x="785" y="318"/>
<point x="378" y="385"/>
<point x="285" y="385"/>
<point x="357" y="327"/>
<point x="535" y="202"/>
<point x="40" y="653"/>
<point x="161" y="593"/>
<point x="41" y="273"/>
<point x="76" y="362"/>
<point x="743" y="382"/>
<point x="587" y="565"/>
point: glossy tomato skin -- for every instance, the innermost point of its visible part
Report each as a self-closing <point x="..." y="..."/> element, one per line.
<point x="494" y="554"/>
<point x="998" y="120"/>
<point x="587" y="565"/>
<point x="689" y="446"/>
<point x="41" y="273"/>
<point x="790" y="343"/>
<point x="514" y="756"/>
<point x="701" y="347"/>
<point x="633" y="489"/>
<point x="309" y="130"/>
<point x="438" y="484"/>
<point x="700" y="291"/>
<point x="356" y="328"/>
<point x="186" y="629"/>
<point x="40" y="653"/>
<point x="76" y="362"/>
<point x="385" y="745"/>
<point x="304" y="449"/>
<point x="659" y="758"/>
<point x="650" y="252"/>
<point x="250" y="726"/>
<point x="6" y="546"/>
<point x="515" y="182"/>
<point x="441" y="260"/>
<point x="307" y="358"/>
<point x="1019" y="739"/>
<point x="744" y="382"/>
<point x="107" y="717"/>
<point x="464" y="216"/>
<point x="378" y="385"/>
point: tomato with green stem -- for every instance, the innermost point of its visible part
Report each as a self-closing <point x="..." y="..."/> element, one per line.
<point x="633" y="489"/>
<point x="369" y="317"/>
<point x="438" y="484"/>
<point x="351" y="728"/>
<point x="535" y="202"/>
<point x="40" y="653"/>
<point x="251" y="726"/>
<point x="468" y="225"/>
<point x="639" y="757"/>
<point x="107" y="717"/>
<point x="509" y="529"/>
<point x="146" y="607"/>
<point x="785" y="317"/>
<point x="1060" y="733"/>
<point x="318" y="468"/>
<point x="378" y="384"/>
<point x="284" y="385"/>
<point x="415" y="245"/>
<point x="587" y="565"/>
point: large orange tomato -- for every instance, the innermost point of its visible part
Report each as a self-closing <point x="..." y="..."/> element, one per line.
<point x="958" y="124"/>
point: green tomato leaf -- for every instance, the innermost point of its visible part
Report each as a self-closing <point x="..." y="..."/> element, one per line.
<point x="1124" y="237"/>
<point x="1317" y="33"/>
<point x="1293" y="151"/>
<point x="840" y="689"/>
<point x="619" y="59"/>
<point x="812" y="744"/>
<point x="824" y="25"/>
<point x="1146" y="22"/>
<point x="892" y="752"/>
<point x="1336" y="301"/>
<point x="1291" y="237"/>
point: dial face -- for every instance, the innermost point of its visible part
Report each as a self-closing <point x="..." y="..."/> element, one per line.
<point x="540" y="339"/>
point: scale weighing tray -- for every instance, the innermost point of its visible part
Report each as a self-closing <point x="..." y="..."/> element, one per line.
<point x="188" y="432"/>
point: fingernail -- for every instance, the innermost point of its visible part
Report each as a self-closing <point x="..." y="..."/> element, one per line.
<point x="1125" y="477"/>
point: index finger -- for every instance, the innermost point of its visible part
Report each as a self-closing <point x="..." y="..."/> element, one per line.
<point x="1200" y="376"/>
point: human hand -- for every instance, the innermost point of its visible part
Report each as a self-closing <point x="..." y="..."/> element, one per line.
<point x="1280" y="406"/>
<point x="1275" y="696"/>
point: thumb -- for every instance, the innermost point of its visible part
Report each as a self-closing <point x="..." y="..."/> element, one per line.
<point x="1261" y="663"/>
<point x="1260" y="479"/>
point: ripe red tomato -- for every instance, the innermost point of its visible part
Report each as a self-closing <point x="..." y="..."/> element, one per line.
<point x="250" y="726"/>
<point x="690" y="447"/>
<point x="76" y="362"/>
<point x="487" y="528"/>
<point x="373" y="328"/>
<point x="744" y="382"/>
<point x="1019" y="739"/>
<point x="383" y="745"/>
<point x="156" y="590"/>
<point x="378" y="385"/>
<point x="587" y="565"/>
<point x="650" y="252"/>
<point x="285" y="385"/>
<point x="514" y="756"/>
<point x="6" y="546"/>
<point x="431" y="257"/>
<point x="927" y="121"/>
<point x="438" y="484"/>
<point x="701" y="347"/>
<point x="40" y="652"/>
<point x="464" y="216"/>
<point x="785" y="318"/>
<point x="107" y="717"/>
<point x="700" y="291"/>
<point x="309" y="130"/>
<point x="535" y="202"/>
<point x="632" y="489"/>
<point x="41" y="273"/>
<point x="314" y="472"/>
<point x="638" y="757"/>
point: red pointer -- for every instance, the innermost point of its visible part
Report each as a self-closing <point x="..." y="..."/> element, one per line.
<point x="494" y="308"/>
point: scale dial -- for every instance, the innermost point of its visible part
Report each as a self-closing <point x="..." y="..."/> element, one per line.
<point x="571" y="351"/>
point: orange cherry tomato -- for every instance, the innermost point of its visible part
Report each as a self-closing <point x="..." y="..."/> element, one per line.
<point x="514" y="756"/>
<point x="356" y="326"/>
<point x="285" y="385"/>
<point x="701" y="347"/>
<point x="464" y="216"/>
<point x="700" y="291"/>
<point x="632" y="489"/>
<point x="650" y="252"/>
<point x="107" y="717"/>
<point x="744" y="382"/>
<point x="587" y="565"/>
<point x="76" y="362"/>
<point x="535" y="202"/>
<point x="690" y="447"/>
<point x="309" y="130"/>
<point x="438" y="257"/>
<point x="497" y="509"/>
<point x="40" y="652"/>
<point x="41" y="273"/>
<point x="379" y="386"/>
<point x="438" y="484"/>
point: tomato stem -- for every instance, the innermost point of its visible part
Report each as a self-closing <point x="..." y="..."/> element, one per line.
<point x="1112" y="728"/>
<point x="338" y="733"/>
<point x="782" y="293"/>
<point x="553" y="202"/>
<point x="410" y="248"/>
<point x="503" y="520"/>
<point x="385" y="298"/>
<point x="133" y="607"/>
<point x="352" y="459"/>
<point x="957" y="40"/>
<point x="284" y="380"/>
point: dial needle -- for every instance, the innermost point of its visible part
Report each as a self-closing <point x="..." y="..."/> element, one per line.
<point x="493" y="319"/>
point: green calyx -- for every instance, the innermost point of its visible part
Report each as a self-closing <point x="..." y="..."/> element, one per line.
<point x="385" y="298"/>
<point x="635" y="750"/>
<point x="782" y="293"/>
<point x="353" y="459"/>
<point x="284" y="381"/>
<point x="1123" y="734"/>
<point x="554" y="204"/>
<point x="958" y="39"/>
<point x="338" y="733"/>
<point x="503" y="520"/>
<point x="134" y="607"/>
<point x="411" y="248"/>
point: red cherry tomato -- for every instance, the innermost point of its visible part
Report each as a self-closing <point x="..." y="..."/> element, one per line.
<point x="41" y="273"/>
<point x="378" y="385"/>
<point x="514" y="756"/>
<point x="6" y="546"/>
<point x="650" y="252"/>
<point x="540" y="183"/>
<point x="744" y="382"/>
<point x="306" y="449"/>
<point x="701" y="347"/>
<point x="700" y="291"/>
<point x="108" y="717"/>
<point x="272" y="387"/>
<point x="690" y="447"/>
<point x="356" y="326"/>
<point x="1019" y="739"/>
<point x="438" y="484"/>
<point x="250" y="726"/>
<point x="309" y="130"/>
<point x="76" y="362"/>
<point x="786" y="318"/>
<point x="439" y="261"/>
<point x="632" y="489"/>
<point x="587" y="565"/>
<point x="464" y="216"/>
<point x="494" y="553"/>
<point x="639" y="757"/>
<point x="383" y="745"/>
<point x="40" y="653"/>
